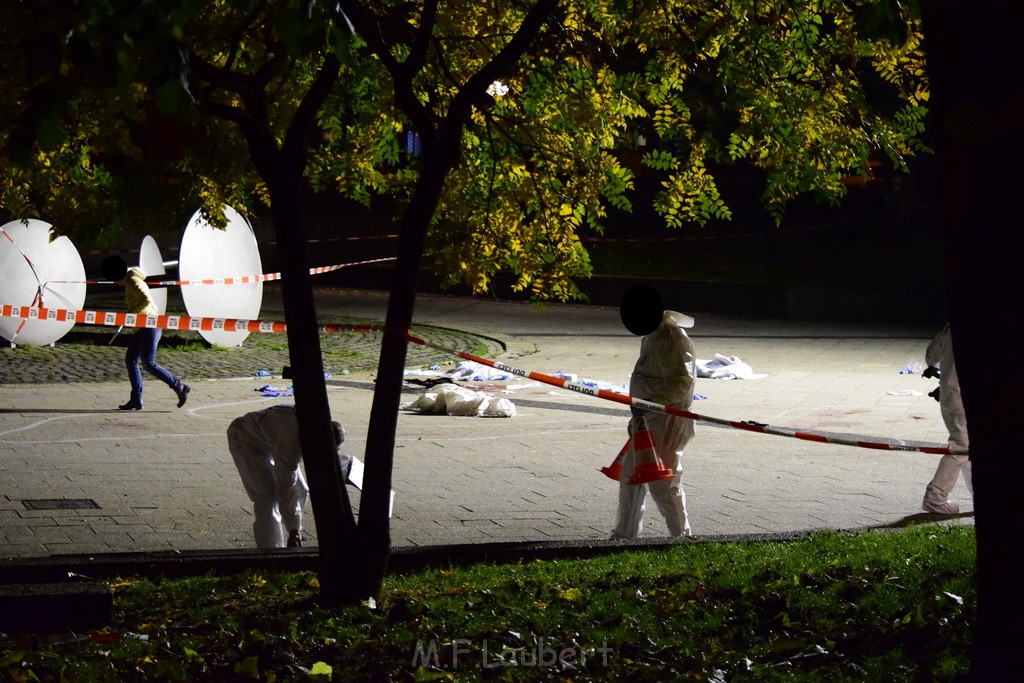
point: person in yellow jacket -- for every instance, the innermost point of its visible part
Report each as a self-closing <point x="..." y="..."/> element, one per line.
<point x="143" y="343"/>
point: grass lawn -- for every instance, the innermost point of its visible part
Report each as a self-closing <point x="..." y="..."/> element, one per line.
<point x="874" y="606"/>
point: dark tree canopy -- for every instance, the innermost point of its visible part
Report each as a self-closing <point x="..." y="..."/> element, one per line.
<point x="131" y="113"/>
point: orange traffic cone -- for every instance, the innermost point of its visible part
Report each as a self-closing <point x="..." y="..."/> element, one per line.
<point x="647" y="463"/>
<point x="614" y="470"/>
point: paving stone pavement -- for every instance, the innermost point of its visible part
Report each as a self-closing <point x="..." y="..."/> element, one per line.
<point x="162" y="479"/>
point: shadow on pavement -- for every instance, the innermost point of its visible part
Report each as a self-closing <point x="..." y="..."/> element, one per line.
<point x="66" y="411"/>
<point x="921" y="518"/>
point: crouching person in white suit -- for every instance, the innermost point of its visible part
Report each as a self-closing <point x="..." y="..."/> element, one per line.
<point x="266" y="451"/>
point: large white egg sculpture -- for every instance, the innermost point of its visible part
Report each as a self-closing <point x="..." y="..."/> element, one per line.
<point x="209" y="253"/>
<point x="151" y="263"/>
<point x="41" y="271"/>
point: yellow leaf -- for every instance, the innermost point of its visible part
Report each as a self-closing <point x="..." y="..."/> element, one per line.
<point x="322" y="669"/>
<point x="572" y="594"/>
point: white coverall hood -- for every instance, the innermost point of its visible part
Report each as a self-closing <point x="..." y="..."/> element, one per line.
<point x="680" y="319"/>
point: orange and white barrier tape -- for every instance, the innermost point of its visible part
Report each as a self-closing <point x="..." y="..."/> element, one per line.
<point x="238" y="280"/>
<point x="163" y="322"/>
<point x="750" y="426"/>
<point x="361" y="238"/>
<point x="182" y="322"/>
<point x="268" y="276"/>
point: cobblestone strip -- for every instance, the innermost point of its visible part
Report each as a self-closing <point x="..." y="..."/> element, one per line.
<point x="98" y="355"/>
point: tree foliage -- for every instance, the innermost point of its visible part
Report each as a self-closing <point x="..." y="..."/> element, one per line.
<point x="101" y="134"/>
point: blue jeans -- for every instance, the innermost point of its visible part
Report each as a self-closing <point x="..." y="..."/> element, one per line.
<point x="142" y="349"/>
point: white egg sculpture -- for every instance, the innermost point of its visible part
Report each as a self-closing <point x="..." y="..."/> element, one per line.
<point x="151" y="263"/>
<point x="209" y="253"/>
<point x="38" y="270"/>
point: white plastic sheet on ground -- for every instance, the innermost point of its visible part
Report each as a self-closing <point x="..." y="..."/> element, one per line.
<point x="594" y="383"/>
<point x="726" y="367"/>
<point x="449" y="399"/>
<point x="465" y="370"/>
<point x="477" y="372"/>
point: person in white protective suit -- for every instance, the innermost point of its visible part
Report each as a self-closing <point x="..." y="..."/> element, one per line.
<point x="664" y="374"/>
<point x="265" y="447"/>
<point x="939" y="355"/>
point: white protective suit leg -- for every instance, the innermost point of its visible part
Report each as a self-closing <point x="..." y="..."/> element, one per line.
<point x="291" y="495"/>
<point x="257" y="473"/>
<point x="965" y="470"/>
<point x="629" y="517"/>
<point x="950" y="467"/>
<point x="267" y="527"/>
<point x="946" y="474"/>
<point x="668" y="494"/>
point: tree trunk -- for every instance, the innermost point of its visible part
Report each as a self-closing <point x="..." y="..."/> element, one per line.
<point x="332" y="510"/>
<point x="441" y="140"/>
<point x="374" y="523"/>
<point x="974" y="61"/>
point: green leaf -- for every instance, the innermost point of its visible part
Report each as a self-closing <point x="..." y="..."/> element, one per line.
<point x="423" y="674"/>
<point x="12" y="658"/>
<point x="248" y="667"/>
<point x="49" y="133"/>
<point x="882" y="20"/>
<point x="293" y="27"/>
<point x="340" y="40"/>
<point x="171" y="98"/>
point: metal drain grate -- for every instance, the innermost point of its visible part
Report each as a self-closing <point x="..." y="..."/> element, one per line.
<point x="61" y="504"/>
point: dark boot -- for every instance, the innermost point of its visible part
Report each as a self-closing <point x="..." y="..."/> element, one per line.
<point x="182" y="392"/>
<point x="134" y="403"/>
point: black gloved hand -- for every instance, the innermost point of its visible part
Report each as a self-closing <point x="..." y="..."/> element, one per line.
<point x="934" y="394"/>
<point x="930" y="371"/>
